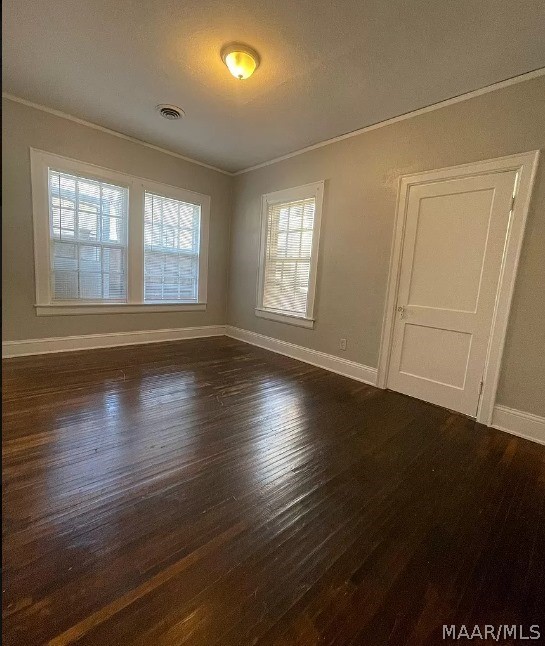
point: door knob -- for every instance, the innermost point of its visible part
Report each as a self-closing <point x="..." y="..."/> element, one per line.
<point x="401" y="310"/>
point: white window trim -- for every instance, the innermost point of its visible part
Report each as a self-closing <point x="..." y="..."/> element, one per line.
<point x="281" y="317"/>
<point x="315" y="190"/>
<point x="40" y="162"/>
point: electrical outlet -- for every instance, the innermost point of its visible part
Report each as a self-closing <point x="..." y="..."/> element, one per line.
<point x="343" y="344"/>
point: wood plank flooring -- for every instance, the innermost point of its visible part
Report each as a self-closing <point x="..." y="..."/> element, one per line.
<point x="208" y="492"/>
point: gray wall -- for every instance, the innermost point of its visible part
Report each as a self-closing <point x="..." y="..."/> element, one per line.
<point x="359" y="207"/>
<point x="361" y="176"/>
<point x="24" y="127"/>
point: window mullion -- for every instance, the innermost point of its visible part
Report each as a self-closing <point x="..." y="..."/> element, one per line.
<point x="135" y="245"/>
<point x="163" y="257"/>
<point x="76" y="228"/>
<point x="178" y="222"/>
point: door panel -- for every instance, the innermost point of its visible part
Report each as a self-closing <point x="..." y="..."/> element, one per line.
<point x="446" y="270"/>
<point x="455" y="233"/>
<point x="435" y="354"/>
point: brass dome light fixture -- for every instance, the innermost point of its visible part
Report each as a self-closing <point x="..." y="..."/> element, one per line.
<point x="241" y="60"/>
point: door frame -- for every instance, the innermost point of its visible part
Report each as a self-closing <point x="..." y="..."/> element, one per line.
<point x="526" y="166"/>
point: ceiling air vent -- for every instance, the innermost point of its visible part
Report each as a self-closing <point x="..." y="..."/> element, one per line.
<point x="170" y="112"/>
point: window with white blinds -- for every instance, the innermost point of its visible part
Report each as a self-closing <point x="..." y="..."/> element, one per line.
<point x="106" y="242"/>
<point x="171" y="249"/>
<point x="290" y="226"/>
<point x="88" y="238"/>
<point x="289" y="252"/>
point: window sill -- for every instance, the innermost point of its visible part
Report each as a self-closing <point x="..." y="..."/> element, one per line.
<point x="71" y="309"/>
<point x="299" y="321"/>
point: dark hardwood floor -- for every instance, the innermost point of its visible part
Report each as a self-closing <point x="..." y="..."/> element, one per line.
<point x="209" y="492"/>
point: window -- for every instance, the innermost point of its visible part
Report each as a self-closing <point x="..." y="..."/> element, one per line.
<point x="289" y="254"/>
<point x="108" y="242"/>
<point x="171" y="249"/>
<point x="88" y="238"/>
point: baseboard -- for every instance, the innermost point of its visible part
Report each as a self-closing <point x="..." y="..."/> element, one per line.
<point x="91" y="341"/>
<point x="517" y="422"/>
<point x="329" y="362"/>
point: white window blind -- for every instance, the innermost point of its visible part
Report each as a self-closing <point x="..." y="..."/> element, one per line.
<point x="171" y="249"/>
<point x="290" y="229"/>
<point x="88" y="238"/>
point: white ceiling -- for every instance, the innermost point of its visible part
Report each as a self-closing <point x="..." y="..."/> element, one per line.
<point x="328" y="66"/>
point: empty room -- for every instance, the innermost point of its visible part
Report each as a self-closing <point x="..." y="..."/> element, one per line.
<point x="273" y="351"/>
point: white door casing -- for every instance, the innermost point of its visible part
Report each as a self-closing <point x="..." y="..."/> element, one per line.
<point x="455" y="251"/>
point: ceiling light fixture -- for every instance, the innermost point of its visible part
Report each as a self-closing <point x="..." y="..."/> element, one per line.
<point x="241" y="60"/>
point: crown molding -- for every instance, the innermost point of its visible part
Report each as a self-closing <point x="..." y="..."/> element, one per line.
<point x="402" y="117"/>
<point x="354" y="133"/>
<point x="115" y="133"/>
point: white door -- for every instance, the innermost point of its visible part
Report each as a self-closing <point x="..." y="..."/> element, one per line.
<point x="455" y="235"/>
